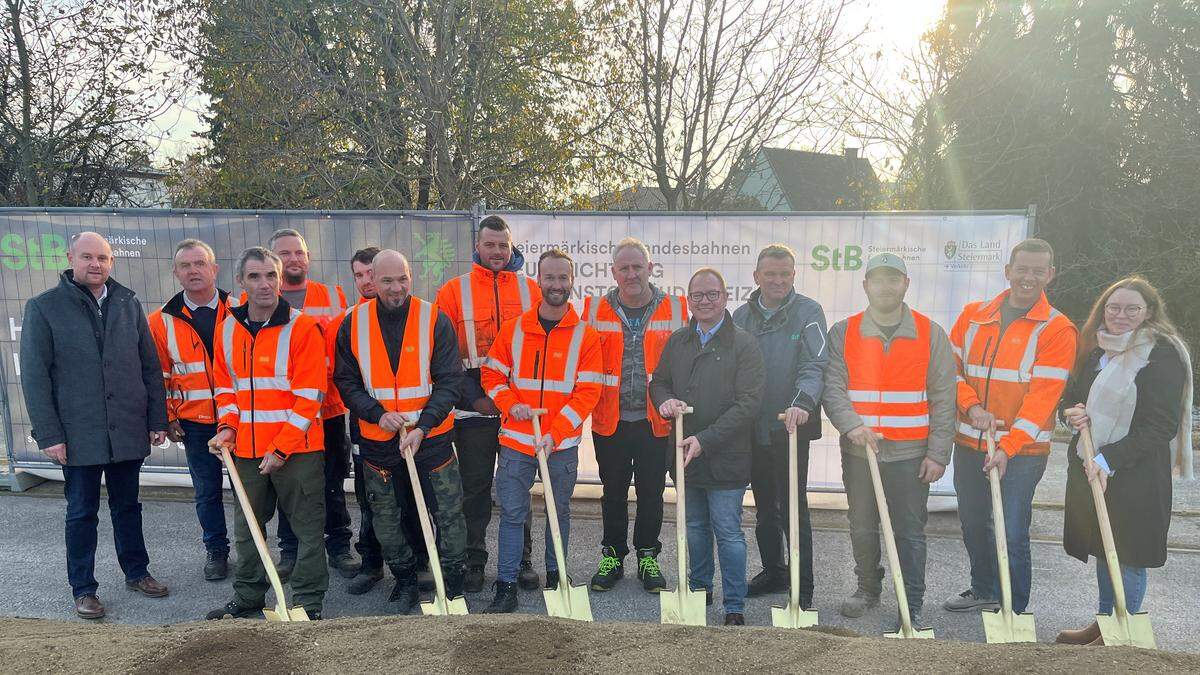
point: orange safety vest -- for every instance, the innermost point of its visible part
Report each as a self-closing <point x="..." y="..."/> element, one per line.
<point x="1018" y="377"/>
<point x="270" y="385"/>
<point x="478" y="302"/>
<point x="407" y="389"/>
<point x="186" y="364"/>
<point x="888" y="387"/>
<point x="671" y="314"/>
<point x="561" y="371"/>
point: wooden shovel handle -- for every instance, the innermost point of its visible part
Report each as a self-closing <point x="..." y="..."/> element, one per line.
<point x="255" y="531"/>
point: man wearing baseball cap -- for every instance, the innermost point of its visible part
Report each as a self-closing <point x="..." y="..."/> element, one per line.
<point x="890" y="389"/>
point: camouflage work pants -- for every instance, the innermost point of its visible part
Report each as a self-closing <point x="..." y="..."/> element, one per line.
<point x="442" y="487"/>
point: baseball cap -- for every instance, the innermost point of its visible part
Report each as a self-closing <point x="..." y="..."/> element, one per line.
<point x="888" y="260"/>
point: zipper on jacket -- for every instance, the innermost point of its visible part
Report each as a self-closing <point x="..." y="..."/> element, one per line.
<point x="496" y="294"/>
<point x="542" y="376"/>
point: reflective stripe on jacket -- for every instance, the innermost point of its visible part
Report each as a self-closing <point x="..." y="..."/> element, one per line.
<point x="1018" y="377"/>
<point x="407" y="389"/>
<point x="598" y="312"/>
<point x="561" y="371"/>
<point x="187" y="367"/>
<point x="887" y="387"/>
<point x="270" y="385"/>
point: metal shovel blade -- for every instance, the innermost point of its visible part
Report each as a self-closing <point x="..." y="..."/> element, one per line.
<point x="448" y="607"/>
<point x="283" y="614"/>
<point x="1001" y="628"/>
<point x="568" y="602"/>
<point x="916" y="634"/>
<point x="683" y="607"/>
<point x="1135" y="631"/>
<point x="789" y="617"/>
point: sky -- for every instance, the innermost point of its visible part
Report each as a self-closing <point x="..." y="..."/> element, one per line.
<point x="893" y="26"/>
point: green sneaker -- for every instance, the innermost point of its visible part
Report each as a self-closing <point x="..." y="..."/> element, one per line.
<point x="611" y="570"/>
<point x="648" y="571"/>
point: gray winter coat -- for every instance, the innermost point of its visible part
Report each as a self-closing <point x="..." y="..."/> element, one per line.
<point x="793" y="347"/>
<point x="90" y="382"/>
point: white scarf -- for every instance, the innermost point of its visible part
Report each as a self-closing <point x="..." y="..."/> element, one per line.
<point x="1113" y="395"/>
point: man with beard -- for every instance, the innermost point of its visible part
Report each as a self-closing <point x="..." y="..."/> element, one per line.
<point x="399" y="373"/>
<point x="546" y="358"/>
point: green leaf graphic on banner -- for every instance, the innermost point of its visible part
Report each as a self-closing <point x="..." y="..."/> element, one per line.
<point x="435" y="253"/>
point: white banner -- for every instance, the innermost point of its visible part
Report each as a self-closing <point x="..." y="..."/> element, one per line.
<point x="952" y="259"/>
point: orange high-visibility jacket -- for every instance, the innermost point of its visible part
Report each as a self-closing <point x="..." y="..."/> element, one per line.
<point x="479" y="302"/>
<point x="598" y="312"/>
<point x="561" y="371"/>
<point x="407" y="389"/>
<point x="888" y="388"/>
<point x="187" y="366"/>
<point x="270" y="385"/>
<point x="1018" y="377"/>
<point x="325" y="303"/>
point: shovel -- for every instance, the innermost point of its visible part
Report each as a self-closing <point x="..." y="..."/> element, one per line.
<point x="907" y="630"/>
<point x="1119" y="628"/>
<point x="281" y="611"/>
<point x="1003" y="625"/>
<point x="682" y="606"/>
<point x="441" y="605"/>
<point x="792" y="615"/>
<point x="566" y="601"/>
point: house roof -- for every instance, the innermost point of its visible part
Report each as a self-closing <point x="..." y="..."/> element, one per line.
<point x="816" y="181"/>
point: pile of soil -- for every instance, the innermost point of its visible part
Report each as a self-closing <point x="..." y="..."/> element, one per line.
<point x="524" y="644"/>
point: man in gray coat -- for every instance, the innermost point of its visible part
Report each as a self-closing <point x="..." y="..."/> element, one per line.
<point x="94" y="391"/>
<point x="790" y="329"/>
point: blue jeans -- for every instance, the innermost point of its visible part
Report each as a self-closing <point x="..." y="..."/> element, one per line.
<point x="205" y="469"/>
<point x="515" y="474"/>
<point x="719" y="513"/>
<point x="975" y="514"/>
<point x="81" y="487"/>
<point x="1134" y="579"/>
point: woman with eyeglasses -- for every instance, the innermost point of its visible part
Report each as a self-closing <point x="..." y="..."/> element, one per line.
<point x="1132" y="386"/>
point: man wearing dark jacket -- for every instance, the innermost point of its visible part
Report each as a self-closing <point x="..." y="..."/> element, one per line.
<point x="717" y="369"/>
<point x="790" y="329"/>
<point x="82" y="343"/>
<point x="399" y="374"/>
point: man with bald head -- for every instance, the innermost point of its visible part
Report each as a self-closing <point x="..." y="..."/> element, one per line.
<point x="94" y="391"/>
<point x="399" y="373"/>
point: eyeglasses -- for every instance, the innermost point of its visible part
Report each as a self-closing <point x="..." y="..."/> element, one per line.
<point x="1128" y="310"/>
<point x="711" y="296"/>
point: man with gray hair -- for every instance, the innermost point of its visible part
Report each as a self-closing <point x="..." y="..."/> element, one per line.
<point x="634" y="321"/>
<point x="94" y="393"/>
<point x="183" y="332"/>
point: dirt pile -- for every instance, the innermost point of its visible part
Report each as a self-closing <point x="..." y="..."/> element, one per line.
<point x="522" y="644"/>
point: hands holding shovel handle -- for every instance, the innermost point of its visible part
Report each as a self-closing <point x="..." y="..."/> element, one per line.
<point x="793" y="615"/>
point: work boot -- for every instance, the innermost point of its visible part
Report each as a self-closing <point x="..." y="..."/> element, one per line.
<point x="345" y="563"/>
<point x="366" y="580"/>
<point x="649" y="572"/>
<point x="967" y="601"/>
<point x="232" y="610"/>
<point x="473" y="580"/>
<point x="766" y="582"/>
<point x="313" y="614"/>
<point x="914" y="619"/>
<point x="1082" y="636"/>
<point x="735" y="619"/>
<point x="405" y="594"/>
<point x="424" y="578"/>
<point x="527" y="578"/>
<point x="856" y="605"/>
<point x="610" y="571"/>
<point x="454" y="582"/>
<point x="287" y="563"/>
<point x="552" y="580"/>
<point x="216" y="567"/>
<point x="505" y="601"/>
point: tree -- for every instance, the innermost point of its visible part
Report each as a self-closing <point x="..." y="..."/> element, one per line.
<point x="702" y="84"/>
<point x="80" y="97"/>
<point x="386" y="104"/>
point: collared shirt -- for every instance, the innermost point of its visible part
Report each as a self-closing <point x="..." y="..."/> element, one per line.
<point x="211" y="304"/>
<point x="706" y="335"/>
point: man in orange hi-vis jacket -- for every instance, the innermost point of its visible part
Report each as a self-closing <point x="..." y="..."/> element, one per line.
<point x="271" y="376"/>
<point x="545" y="358"/>
<point x="1014" y="355"/>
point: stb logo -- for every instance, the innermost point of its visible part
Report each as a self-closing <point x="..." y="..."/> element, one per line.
<point x="951" y="249"/>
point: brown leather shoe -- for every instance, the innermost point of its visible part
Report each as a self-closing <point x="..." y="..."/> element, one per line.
<point x="89" y="607"/>
<point x="735" y="619"/>
<point x="1082" y="636"/>
<point x="148" y="587"/>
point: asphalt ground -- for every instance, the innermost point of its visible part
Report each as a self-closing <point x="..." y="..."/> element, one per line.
<point x="33" y="574"/>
